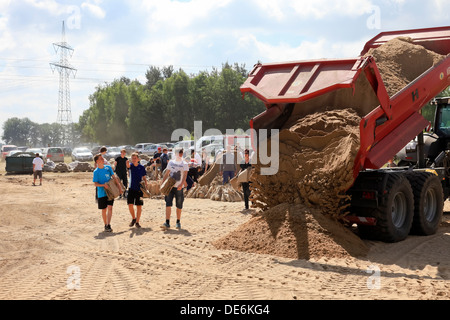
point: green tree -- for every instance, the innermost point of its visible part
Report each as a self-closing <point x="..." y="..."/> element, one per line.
<point x="20" y="132"/>
<point x="153" y="75"/>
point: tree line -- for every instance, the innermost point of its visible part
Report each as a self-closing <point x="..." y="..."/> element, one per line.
<point x="24" y="132"/>
<point x="128" y="112"/>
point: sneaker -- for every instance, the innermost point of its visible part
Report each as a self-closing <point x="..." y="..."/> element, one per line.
<point x="133" y="222"/>
<point x="178" y="226"/>
<point x="109" y="228"/>
<point x="138" y="225"/>
<point x="165" y="226"/>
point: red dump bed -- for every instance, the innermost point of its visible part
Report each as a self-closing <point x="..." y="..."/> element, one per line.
<point x="388" y="123"/>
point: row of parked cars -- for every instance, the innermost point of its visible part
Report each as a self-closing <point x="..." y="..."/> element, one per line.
<point x="55" y="154"/>
<point x="84" y="154"/>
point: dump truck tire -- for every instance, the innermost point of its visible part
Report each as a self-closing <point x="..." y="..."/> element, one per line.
<point x="428" y="202"/>
<point x="395" y="214"/>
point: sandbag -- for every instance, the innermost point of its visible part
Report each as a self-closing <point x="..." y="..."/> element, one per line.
<point x="167" y="185"/>
<point x="145" y="192"/>
<point x="209" y="175"/>
<point x="113" y="190"/>
<point x="244" y="175"/>
<point x="235" y="183"/>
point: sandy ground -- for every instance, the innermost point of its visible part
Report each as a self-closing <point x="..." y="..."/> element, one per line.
<point x="52" y="246"/>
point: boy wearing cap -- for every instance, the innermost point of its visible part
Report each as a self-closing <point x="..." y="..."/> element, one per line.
<point x="156" y="163"/>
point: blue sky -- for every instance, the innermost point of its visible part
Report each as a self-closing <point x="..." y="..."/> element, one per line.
<point x="113" y="38"/>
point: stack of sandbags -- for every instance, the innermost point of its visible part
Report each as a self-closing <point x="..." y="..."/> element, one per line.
<point x="154" y="187"/>
<point x="215" y="191"/>
<point x="49" y="166"/>
<point x="61" y="167"/>
<point x="81" y="167"/>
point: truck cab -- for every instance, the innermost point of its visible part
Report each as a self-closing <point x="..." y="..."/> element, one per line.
<point x="436" y="141"/>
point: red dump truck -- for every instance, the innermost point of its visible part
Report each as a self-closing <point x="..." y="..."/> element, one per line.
<point x="386" y="203"/>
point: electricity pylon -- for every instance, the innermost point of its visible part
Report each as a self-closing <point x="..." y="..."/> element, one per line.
<point x="65" y="71"/>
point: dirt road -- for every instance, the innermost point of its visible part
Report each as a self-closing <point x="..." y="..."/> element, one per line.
<point x="52" y="246"/>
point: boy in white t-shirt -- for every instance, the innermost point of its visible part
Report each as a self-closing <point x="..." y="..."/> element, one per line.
<point x="178" y="170"/>
<point x="38" y="165"/>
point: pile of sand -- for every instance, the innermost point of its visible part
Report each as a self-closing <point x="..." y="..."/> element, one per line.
<point x="301" y="204"/>
<point x="400" y="62"/>
<point x="296" y="232"/>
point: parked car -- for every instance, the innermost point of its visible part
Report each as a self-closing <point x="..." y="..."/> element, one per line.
<point x="140" y="146"/>
<point x="67" y="151"/>
<point x="112" y="153"/>
<point x="169" y="145"/>
<point x="212" y="149"/>
<point x="82" y="154"/>
<point x="150" y="150"/>
<point x="54" y="154"/>
<point x="34" y="150"/>
<point x="128" y="148"/>
<point x="13" y="152"/>
<point x="96" y="150"/>
<point x="6" y="149"/>
<point x="185" y="145"/>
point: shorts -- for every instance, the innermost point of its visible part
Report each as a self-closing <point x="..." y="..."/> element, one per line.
<point x="103" y="203"/>
<point x="37" y="173"/>
<point x="134" y="197"/>
<point x="179" y="198"/>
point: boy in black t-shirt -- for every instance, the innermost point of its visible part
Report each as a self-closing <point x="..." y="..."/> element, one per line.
<point x="121" y="170"/>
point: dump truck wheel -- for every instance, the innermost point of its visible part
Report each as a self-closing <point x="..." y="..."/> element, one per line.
<point x="395" y="214"/>
<point x="428" y="202"/>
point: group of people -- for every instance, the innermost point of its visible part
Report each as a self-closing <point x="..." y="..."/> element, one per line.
<point x="103" y="173"/>
<point x="186" y="172"/>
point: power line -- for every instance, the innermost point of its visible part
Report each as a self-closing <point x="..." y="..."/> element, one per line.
<point x="190" y="66"/>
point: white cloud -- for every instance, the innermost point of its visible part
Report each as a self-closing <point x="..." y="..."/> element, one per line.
<point x="170" y="15"/>
<point x="318" y="9"/>
<point x="51" y="6"/>
<point x="307" y="50"/>
<point x="6" y="39"/>
<point x="273" y="8"/>
<point x="94" y="9"/>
